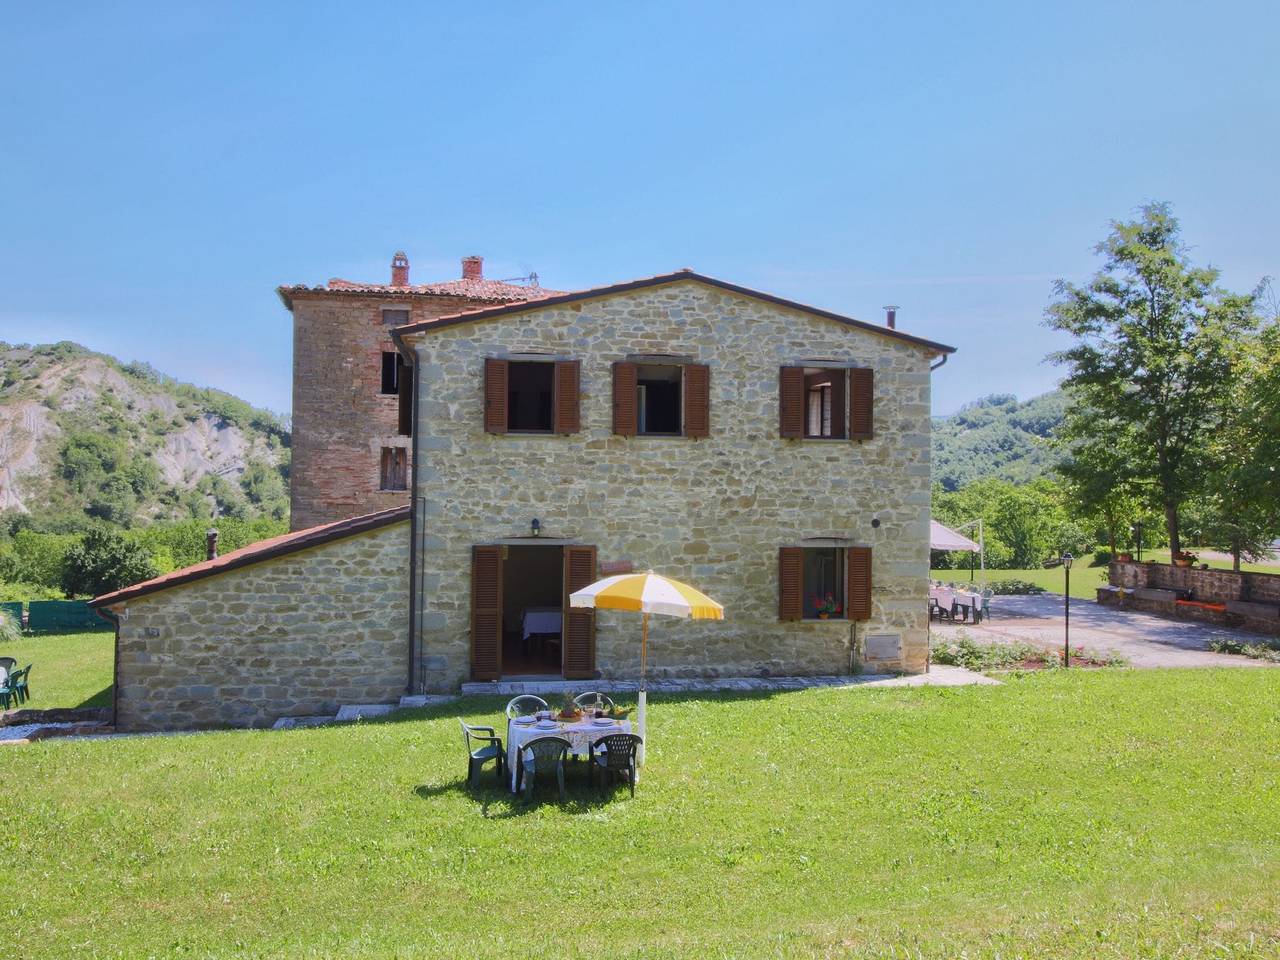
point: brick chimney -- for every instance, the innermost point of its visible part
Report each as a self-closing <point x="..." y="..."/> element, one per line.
<point x="891" y="317"/>
<point x="399" y="270"/>
<point x="211" y="544"/>
<point x="473" y="268"/>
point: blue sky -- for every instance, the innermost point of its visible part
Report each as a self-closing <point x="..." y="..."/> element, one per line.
<point x="165" y="167"/>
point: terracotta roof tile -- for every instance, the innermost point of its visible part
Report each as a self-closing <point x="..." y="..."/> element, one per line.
<point x="257" y="552"/>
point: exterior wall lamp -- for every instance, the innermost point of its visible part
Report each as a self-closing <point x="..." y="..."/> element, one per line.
<point x="536" y="527"/>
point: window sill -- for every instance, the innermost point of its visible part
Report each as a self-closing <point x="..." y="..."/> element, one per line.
<point x="828" y="620"/>
<point x="531" y="433"/>
<point x="668" y="436"/>
<point x="824" y="439"/>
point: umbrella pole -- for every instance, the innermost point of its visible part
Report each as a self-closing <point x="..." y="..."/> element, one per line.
<point x="640" y="707"/>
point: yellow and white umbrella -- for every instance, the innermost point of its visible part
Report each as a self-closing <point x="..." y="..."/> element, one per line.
<point x="647" y="593"/>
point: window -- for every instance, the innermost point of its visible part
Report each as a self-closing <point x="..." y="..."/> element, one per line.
<point x="823" y="573"/>
<point x="390" y="372"/>
<point x="821" y="403"/>
<point x="395" y="468"/>
<point x="530" y="391"/>
<point x="831" y="580"/>
<point x="395" y="318"/>
<point x="661" y="399"/>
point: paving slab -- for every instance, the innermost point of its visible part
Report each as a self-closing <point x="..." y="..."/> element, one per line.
<point x="1143" y="639"/>
<point x="362" y="711"/>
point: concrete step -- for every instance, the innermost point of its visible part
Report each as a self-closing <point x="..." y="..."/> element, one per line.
<point x="511" y="688"/>
<point x="363" y="711"/>
<point x="425" y="700"/>
<point x="294" y="723"/>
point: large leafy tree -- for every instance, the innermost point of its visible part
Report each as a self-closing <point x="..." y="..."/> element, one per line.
<point x="1154" y="359"/>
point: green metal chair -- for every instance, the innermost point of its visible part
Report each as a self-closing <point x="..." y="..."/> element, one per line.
<point x="541" y="755"/>
<point x="615" y="755"/>
<point x="477" y="757"/>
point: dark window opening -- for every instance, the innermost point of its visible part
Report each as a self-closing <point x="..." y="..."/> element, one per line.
<point x="390" y="372"/>
<point x="824" y="404"/>
<point x="824" y="583"/>
<point x="530" y="391"/>
<point x="532" y="610"/>
<point x="658" y="399"/>
<point x="395" y="468"/>
<point x="395" y="318"/>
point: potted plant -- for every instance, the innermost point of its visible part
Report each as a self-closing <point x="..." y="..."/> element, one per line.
<point x="1184" y="559"/>
<point x="826" y="606"/>
<point x="1123" y="556"/>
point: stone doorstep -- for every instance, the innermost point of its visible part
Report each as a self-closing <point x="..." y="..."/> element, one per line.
<point x="667" y="685"/>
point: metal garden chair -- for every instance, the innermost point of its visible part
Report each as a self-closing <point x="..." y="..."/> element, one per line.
<point x="615" y="755"/>
<point x="524" y="705"/>
<point x="477" y="757"/>
<point x="541" y="755"/>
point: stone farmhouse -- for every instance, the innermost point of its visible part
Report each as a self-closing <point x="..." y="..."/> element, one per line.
<point x="468" y="453"/>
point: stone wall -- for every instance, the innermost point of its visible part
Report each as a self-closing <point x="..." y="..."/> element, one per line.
<point x="712" y="511"/>
<point x="296" y="635"/>
<point x="1204" y="586"/>
<point x="341" y="419"/>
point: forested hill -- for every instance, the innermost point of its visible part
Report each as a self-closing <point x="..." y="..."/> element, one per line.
<point x="997" y="436"/>
<point x="84" y="437"/>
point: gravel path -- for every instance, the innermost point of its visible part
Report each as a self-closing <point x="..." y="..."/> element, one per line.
<point x="1142" y="639"/>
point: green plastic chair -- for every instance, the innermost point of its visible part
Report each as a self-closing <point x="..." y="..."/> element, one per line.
<point x="477" y="757"/>
<point x="22" y="689"/>
<point x="593" y="700"/>
<point x="615" y="755"/>
<point x="541" y="755"/>
<point x="7" y="691"/>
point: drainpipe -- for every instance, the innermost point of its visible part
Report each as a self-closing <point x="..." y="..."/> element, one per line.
<point x="414" y="578"/>
<point x="941" y="360"/>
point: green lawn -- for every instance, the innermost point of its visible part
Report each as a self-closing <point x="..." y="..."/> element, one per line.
<point x="67" y="669"/>
<point x="1109" y="813"/>
<point x="1084" y="580"/>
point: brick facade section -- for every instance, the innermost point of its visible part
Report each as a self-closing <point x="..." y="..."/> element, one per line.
<point x="298" y="635"/>
<point x="712" y="511"/>
<point x="341" y="419"/>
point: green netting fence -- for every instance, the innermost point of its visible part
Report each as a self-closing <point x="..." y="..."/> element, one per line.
<point x="14" y="609"/>
<point x="54" y="616"/>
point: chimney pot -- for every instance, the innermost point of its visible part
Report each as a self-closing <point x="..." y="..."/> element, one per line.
<point x="891" y="317"/>
<point x="473" y="268"/>
<point x="211" y="544"/>
<point x="399" y="270"/>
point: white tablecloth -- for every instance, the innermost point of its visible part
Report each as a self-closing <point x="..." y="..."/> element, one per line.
<point x="581" y="734"/>
<point x="947" y="597"/>
<point x="540" y="620"/>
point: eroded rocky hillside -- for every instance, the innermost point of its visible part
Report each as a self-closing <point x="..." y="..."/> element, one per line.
<point x="84" y="435"/>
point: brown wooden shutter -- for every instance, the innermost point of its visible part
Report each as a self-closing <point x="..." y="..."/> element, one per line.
<point x="857" y="571"/>
<point x="404" y="389"/>
<point x="791" y="400"/>
<point x="568" y="418"/>
<point x="486" y="613"/>
<point x="861" y="400"/>
<point x="579" y="624"/>
<point x="624" y="399"/>
<point x="495" y="396"/>
<point x="790" y="583"/>
<point x="697" y="400"/>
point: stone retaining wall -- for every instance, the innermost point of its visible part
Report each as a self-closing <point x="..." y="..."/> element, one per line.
<point x="291" y="636"/>
<point x="1206" y="586"/>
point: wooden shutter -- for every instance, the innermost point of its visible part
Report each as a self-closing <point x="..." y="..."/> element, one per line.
<point x="404" y="390"/>
<point x="861" y="400"/>
<point x="624" y="399"/>
<point x="857" y="572"/>
<point x="495" y="396"/>
<point x="486" y="613"/>
<point x="579" y="624"/>
<point x="697" y="400"/>
<point x="790" y="583"/>
<point x="568" y="418"/>
<point x="791" y="401"/>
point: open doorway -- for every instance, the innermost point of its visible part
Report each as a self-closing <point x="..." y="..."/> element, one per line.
<point x="533" y="611"/>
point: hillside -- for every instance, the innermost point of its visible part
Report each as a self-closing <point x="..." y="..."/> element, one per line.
<point x="997" y="436"/>
<point x="85" y="436"/>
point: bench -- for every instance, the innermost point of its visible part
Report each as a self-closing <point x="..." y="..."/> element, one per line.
<point x="1252" y="608"/>
<point x="1153" y="593"/>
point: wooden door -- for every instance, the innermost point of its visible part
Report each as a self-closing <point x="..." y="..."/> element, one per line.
<point x="486" y="612"/>
<point x="579" y="634"/>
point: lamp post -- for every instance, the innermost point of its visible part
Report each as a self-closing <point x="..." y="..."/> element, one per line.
<point x="1066" y="623"/>
<point x="1137" y="533"/>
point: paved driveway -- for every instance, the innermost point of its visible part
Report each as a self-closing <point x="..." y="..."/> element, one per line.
<point x="1143" y="640"/>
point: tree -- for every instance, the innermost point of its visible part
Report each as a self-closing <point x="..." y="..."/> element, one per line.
<point x="104" y="561"/>
<point x="1154" y="357"/>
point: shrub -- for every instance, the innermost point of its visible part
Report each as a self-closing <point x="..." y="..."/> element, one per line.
<point x="967" y="652"/>
<point x="105" y="561"/>
<point x="1262" y="650"/>
<point x="1014" y="586"/>
<point x="10" y="629"/>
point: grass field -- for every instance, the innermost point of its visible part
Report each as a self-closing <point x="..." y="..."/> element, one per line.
<point x="1084" y="580"/>
<point x="67" y="669"/>
<point x="1105" y="813"/>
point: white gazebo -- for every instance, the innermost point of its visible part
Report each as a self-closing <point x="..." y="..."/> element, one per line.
<point x="944" y="538"/>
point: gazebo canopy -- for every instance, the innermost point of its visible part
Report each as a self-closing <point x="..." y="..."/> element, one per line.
<point x="944" y="538"/>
